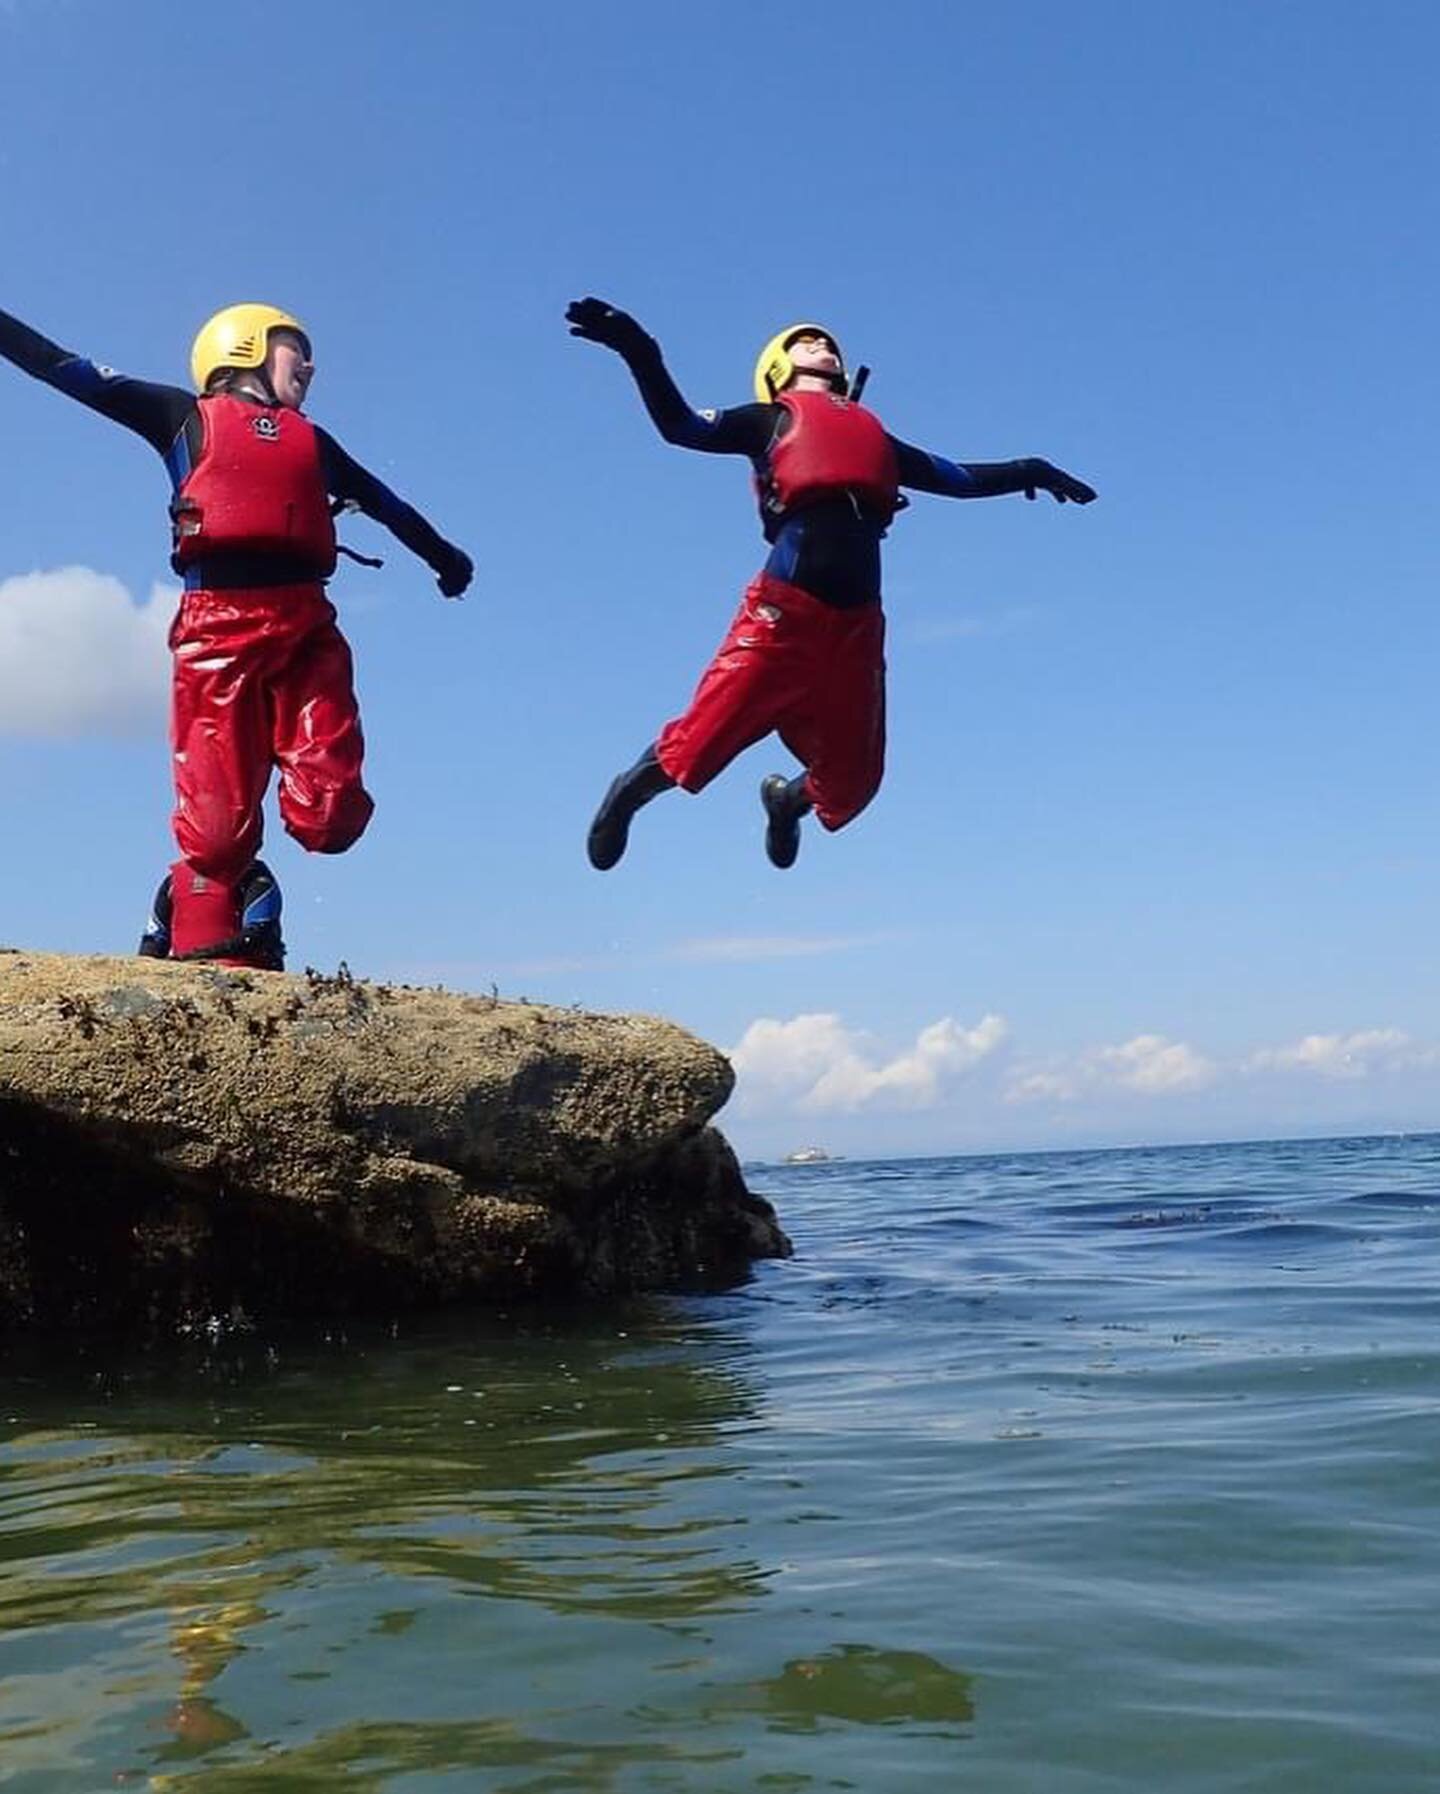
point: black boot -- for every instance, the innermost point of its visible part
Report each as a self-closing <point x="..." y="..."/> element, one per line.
<point x="260" y="905"/>
<point x="155" y="942"/>
<point x="785" y="802"/>
<point x="610" y="831"/>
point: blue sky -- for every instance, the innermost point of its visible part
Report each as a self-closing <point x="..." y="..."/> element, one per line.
<point x="1156" y="857"/>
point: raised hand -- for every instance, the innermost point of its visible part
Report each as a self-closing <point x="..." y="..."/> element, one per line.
<point x="597" y="321"/>
<point x="1063" y="487"/>
<point x="455" y="574"/>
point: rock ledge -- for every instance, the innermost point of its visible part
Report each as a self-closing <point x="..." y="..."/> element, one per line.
<point x="179" y="1142"/>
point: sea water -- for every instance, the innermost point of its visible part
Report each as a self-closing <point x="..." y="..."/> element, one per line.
<point x="1057" y="1473"/>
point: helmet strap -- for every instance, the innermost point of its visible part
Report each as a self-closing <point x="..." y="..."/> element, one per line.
<point x="835" y="379"/>
<point x="237" y="377"/>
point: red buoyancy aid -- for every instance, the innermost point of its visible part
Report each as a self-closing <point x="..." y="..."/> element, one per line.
<point x="258" y="486"/>
<point x="832" y="445"/>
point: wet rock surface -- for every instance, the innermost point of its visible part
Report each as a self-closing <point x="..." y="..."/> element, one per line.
<point x="185" y="1141"/>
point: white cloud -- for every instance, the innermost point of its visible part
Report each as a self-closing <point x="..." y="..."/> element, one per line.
<point x="1149" y="1065"/>
<point x="814" y="1062"/>
<point x="78" y="656"/>
<point x="1354" y="1055"/>
<point x="1149" y="1062"/>
<point x="1054" y="1084"/>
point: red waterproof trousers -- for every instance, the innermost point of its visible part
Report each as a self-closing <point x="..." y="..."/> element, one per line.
<point x="263" y="678"/>
<point x="810" y="671"/>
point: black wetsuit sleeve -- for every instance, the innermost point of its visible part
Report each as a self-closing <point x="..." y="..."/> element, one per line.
<point x="158" y="413"/>
<point x="348" y="481"/>
<point x="924" y="472"/>
<point x="742" y="430"/>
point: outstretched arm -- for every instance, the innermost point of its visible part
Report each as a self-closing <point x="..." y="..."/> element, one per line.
<point x="742" y="430"/>
<point x="923" y="472"/>
<point x="353" y="484"/>
<point x="158" y="413"/>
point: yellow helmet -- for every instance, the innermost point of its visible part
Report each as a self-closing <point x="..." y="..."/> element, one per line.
<point x="774" y="370"/>
<point x="237" y="338"/>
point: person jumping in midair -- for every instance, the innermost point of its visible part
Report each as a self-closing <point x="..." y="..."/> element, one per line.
<point x="804" y="656"/>
<point x="262" y="675"/>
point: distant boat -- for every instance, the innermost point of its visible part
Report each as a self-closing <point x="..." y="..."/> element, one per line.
<point x="809" y="1155"/>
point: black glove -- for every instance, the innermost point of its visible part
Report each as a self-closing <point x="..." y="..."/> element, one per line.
<point x="454" y="573"/>
<point x="599" y="322"/>
<point x="1061" y="486"/>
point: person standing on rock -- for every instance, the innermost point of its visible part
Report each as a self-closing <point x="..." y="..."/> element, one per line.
<point x="262" y="675"/>
<point x="804" y="656"/>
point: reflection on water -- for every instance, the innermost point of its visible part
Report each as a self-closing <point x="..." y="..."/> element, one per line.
<point x="852" y="1684"/>
<point x="204" y="1644"/>
<point x="260" y="1565"/>
<point x="856" y="1682"/>
<point x="568" y="1473"/>
<point x="535" y="1469"/>
<point x="375" y="1756"/>
<point x="1077" y="1473"/>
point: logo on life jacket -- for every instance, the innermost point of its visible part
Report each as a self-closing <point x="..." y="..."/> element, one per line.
<point x="266" y="427"/>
